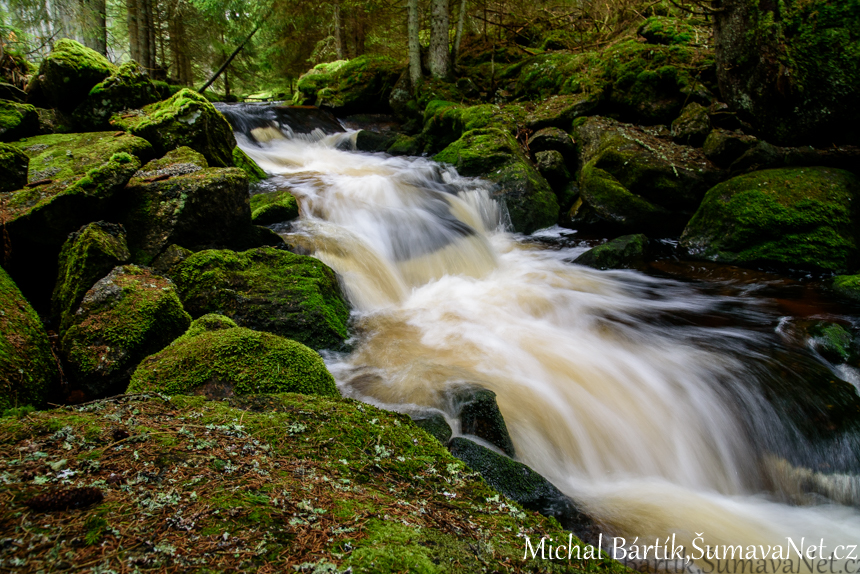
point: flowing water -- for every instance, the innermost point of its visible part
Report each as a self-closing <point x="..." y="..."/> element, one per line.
<point x="660" y="406"/>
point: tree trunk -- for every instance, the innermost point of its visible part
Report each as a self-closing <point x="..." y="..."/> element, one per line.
<point x="440" y="55"/>
<point x="459" y="37"/>
<point x="412" y="29"/>
<point x="132" y="21"/>
<point x="94" y="24"/>
<point x="338" y="32"/>
<point x="144" y="33"/>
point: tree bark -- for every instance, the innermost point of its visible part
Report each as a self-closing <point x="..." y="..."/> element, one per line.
<point x="412" y="29"/>
<point x="94" y="24"/>
<point x="440" y="55"/>
<point x="338" y="31"/>
<point x="132" y="22"/>
<point x="459" y="37"/>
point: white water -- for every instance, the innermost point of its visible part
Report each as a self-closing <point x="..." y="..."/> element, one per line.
<point x="636" y="421"/>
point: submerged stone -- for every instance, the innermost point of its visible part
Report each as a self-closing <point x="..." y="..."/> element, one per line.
<point x="480" y="416"/>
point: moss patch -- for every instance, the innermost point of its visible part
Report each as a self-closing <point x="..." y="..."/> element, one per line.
<point x="17" y="120"/>
<point x="268" y="208"/>
<point x="69" y="72"/>
<point x="128" y="88"/>
<point x="254" y="172"/>
<point x="13" y="168"/>
<point x="360" y="85"/>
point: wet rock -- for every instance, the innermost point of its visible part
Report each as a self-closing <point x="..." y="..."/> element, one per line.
<point x="671" y="31"/>
<point x="724" y="148"/>
<point x="17" y="121"/>
<point x="217" y="359"/>
<point x="366" y="140"/>
<point x="480" y="416"/>
<point x="360" y="85"/>
<point x="550" y="164"/>
<point x="556" y="139"/>
<point x="627" y="252"/>
<point x="179" y="199"/>
<point x="799" y="218"/>
<point x="28" y="369"/>
<point x="69" y="72"/>
<point x="268" y="208"/>
<point x="405" y="145"/>
<point x="435" y="425"/>
<point x="254" y="172"/>
<point x="170" y="258"/>
<point x="520" y="483"/>
<point x="126" y="316"/>
<point x="692" y="126"/>
<point x="87" y="255"/>
<point x="831" y="340"/>
<point x="186" y="119"/>
<point x="128" y="88"/>
<point x="847" y="286"/>
<point x="560" y="111"/>
<point x="495" y="155"/>
<point x="445" y="122"/>
<point x="268" y="290"/>
<point x="13" y="168"/>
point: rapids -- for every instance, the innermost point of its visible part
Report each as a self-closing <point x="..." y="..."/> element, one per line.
<point x="655" y="423"/>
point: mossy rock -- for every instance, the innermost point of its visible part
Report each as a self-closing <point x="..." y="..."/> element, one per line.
<point x="87" y="255"/>
<point x="218" y="359"/>
<point x="126" y="316"/>
<point x="186" y="119"/>
<point x="546" y="139"/>
<point x="69" y="72"/>
<point x="445" y="122"/>
<point x="269" y="290"/>
<point x="178" y="199"/>
<point x="847" y="286"/>
<point x="170" y="258"/>
<point x="551" y="165"/>
<point x="28" y="369"/>
<point x="480" y="416"/>
<point x="800" y="218"/>
<point x="692" y="126"/>
<point x="724" y="147"/>
<point x="405" y="145"/>
<point x="495" y="155"/>
<point x="560" y="111"/>
<point x="268" y="208"/>
<point x="13" y="168"/>
<point x="254" y="172"/>
<point x="668" y="31"/>
<point x="435" y="425"/>
<point x="832" y="340"/>
<point x="128" y="88"/>
<point x="360" y="85"/>
<point x="626" y="252"/>
<point x="371" y="141"/>
<point x="17" y="121"/>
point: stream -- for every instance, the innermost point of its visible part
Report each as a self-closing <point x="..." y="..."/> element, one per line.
<point x="676" y="401"/>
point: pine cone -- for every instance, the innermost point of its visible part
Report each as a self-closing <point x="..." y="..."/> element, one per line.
<point x="65" y="498"/>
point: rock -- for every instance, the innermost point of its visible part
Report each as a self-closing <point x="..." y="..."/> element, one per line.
<point x="669" y="31"/>
<point x="254" y="172"/>
<point x="445" y="122"/>
<point x="520" y="483"/>
<point x="405" y="145"/>
<point x="28" y="369"/>
<point x="217" y="359"/>
<point x="560" y="111"/>
<point x="69" y="72"/>
<point x="129" y="314"/>
<point x="692" y="126"/>
<point x="87" y="255"/>
<point x="179" y="199"/>
<point x="402" y="100"/>
<point x="17" y="121"/>
<point x="496" y="156"/>
<point x="170" y="258"/>
<point x="13" y="93"/>
<point x="783" y="68"/>
<point x="632" y="181"/>
<point x="366" y="140"/>
<point x="831" y="340"/>
<point x="128" y="88"/>
<point x="480" y="416"/>
<point x="268" y="208"/>
<point x="627" y="252"/>
<point x="556" y="139"/>
<point x="267" y="290"/>
<point x="723" y="147"/>
<point x="435" y="425"/>
<point x="847" y="286"/>
<point x="799" y="218"/>
<point x="186" y="119"/>
<point x="360" y="85"/>
<point x="550" y="164"/>
<point x="13" y="168"/>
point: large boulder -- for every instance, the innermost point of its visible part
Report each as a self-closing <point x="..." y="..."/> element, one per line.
<point x="803" y="218"/>
<point x="560" y="111"/>
<point x="129" y="314"/>
<point x="789" y="68"/>
<point x="692" y="126"/>
<point x="269" y="290"/>
<point x="268" y="208"/>
<point x="635" y="182"/>
<point x="28" y="369"/>
<point x="69" y="72"/>
<point x="87" y="255"/>
<point x="218" y="359"/>
<point x="128" y="88"/>
<point x="179" y="199"/>
<point x="14" y="165"/>
<point x="495" y="155"/>
<point x="445" y="122"/>
<point x="360" y="85"/>
<point x="244" y="162"/>
<point x="17" y="121"/>
<point x="186" y="119"/>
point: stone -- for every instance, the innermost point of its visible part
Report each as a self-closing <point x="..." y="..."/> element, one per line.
<point x="692" y="126"/>
<point x="435" y="425"/>
<point x="626" y="252"/>
<point x="560" y="111"/>
<point x="269" y="208"/>
<point x="724" y="148"/>
<point x="550" y="164"/>
<point x="670" y="31"/>
<point x="13" y="168"/>
<point x="480" y="416"/>
<point x="128" y="88"/>
<point x="17" y="121"/>
<point x="69" y="72"/>
<point x="552" y="138"/>
<point x="360" y="85"/>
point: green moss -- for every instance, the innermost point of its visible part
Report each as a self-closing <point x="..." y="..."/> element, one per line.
<point x="445" y="122"/>
<point x="28" y="368"/>
<point x="13" y="168"/>
<point x="832" y="340"/>
<point x="267" y="290"/>
<point x="70" y="71"/>
<point x="800" y="217"/>
<point x="268" y="208"/>
<point x="405" y="145"/>
<point x="249" y="166"/>
<point x="128" y="88"/>
<point x="607" y="200"/>
<point x="663" y="30"/>
<point x="623" y="252"/>
<point x="847" y="286"/>
<point x="17" y="120"/>
<point x="360" y="85"/>
<point x="220" y="360"/>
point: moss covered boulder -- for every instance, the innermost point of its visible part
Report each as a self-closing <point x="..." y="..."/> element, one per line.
<point x="218" y="359"/>
<point x="801" y="218"/>
<point x="668" y="31"/>
<point x="633" y="181"/>
<point x="560" y="111"/>
<point x="445" y="122"/>
<point x="17" y="121"/>
<point x="692" y="126"/>
<point x="268" y="208"/>
<point x="360" y="85"/>
<point x="69" y="72"/>
<point x="179" y="199"/>
<point x="269" y="290"/>
<point x="126" y="316"/>
<point x="254" y="172"/>
<point x="790" y="68"/>
<point x="14" y="165"/>
<point x="186" y="119"/>
<point x="128" y="88"/>
<point x="626" y="252"/>
<point x="87" y="255"/>
<point x="724" y="147"/>
<point x="28" y="369"/>
<point x="495" y="155"/>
